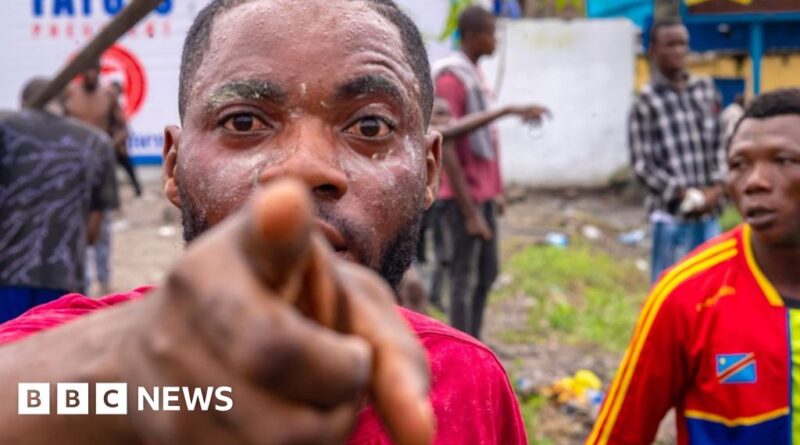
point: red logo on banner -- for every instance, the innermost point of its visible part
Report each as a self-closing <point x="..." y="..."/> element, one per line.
<point x="118" y="64"/>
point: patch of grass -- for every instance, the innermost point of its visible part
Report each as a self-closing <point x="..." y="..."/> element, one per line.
<point x="530" y="406"/>
<point x="516" y="336"/>
<point x="530" y="412"/>
<point x="730" y="218"/>
<point x="436" y="314"/>
<point x="578" y="294"/>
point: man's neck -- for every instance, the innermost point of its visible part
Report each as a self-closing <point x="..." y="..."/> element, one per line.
<point x="473" y="56"/>
<point x="780" y="265"/>
<point x="675" y="78"/>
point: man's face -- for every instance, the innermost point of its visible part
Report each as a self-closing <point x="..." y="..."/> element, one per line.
<point x="488" y="37"/>
<point x="485" y="40"/>
<point x="322" y="92"/>
<point x="764" y="177"/>
<point x="670" y="48"/>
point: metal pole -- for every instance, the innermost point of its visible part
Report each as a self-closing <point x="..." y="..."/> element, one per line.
<point x="115" y="29"/>
<point x="756" y="53"/>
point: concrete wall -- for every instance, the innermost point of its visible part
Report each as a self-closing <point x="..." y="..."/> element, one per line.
<point x="583" y="70"/>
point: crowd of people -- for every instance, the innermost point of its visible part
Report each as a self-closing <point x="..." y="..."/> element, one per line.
<point x="305" y="188"/>
<point x="59" y="191"/>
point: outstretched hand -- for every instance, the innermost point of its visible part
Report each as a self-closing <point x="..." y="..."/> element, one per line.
<point x="263" y="305"/>
<point x="531" y="112"/>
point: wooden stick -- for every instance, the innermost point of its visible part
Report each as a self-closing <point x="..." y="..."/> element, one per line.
<point x="115" y="29"/>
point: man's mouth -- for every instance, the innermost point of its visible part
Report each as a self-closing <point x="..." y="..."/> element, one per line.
<point x="760" y="217"/>
<point x="335" y="238"/>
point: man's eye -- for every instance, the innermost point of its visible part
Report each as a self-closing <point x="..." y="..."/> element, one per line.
<point x="370" y="127"/>
<point x="243" y="122"/>
<point x="735" y="164"/>
<point x="786" y="161"/>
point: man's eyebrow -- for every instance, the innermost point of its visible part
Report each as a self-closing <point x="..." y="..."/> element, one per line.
<point x="248" y="89"/>
<point x="369" y="84"/>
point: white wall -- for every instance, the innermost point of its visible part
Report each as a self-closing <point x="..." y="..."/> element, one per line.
<point x="430" y="17"/>
<point x="583" y="70"/>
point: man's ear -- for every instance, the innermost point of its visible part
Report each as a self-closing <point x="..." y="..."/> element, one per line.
<point x="433" y="164"/>
<point x="172" y="139"/>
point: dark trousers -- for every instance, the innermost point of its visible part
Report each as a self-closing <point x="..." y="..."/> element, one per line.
<point x="432" y="228"/>
<point x="441" y="250"/>
<point x="125" y="161"/>
<point x="473" y="268"/>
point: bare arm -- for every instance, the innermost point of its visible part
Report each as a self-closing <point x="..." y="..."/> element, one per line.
<point x="83" y="351"/>
<point x="119" y="127"/>
<point x="93" y="226"/>
<point x="476" y="224"/>
<point x="473" y="121"/>
<point x="262" y="284"/>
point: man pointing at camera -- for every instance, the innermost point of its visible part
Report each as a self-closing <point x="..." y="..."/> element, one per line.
<point x="287" y="298"/>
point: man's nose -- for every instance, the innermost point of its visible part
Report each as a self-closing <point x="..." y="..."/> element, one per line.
<point x="313" y="157"/>
<point x="757" y="180"/>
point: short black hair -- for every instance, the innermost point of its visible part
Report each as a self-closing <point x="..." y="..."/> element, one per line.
<point x="198" y="41"/>
<point x="473" y="19"/>
<point x="662" y="23"/>
<point x="774" y="103"/>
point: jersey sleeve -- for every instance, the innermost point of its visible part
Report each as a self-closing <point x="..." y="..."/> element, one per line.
<point x="650" y="378"/>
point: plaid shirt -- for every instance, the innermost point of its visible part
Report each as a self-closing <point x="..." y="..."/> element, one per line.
<point x="676" y="140"/>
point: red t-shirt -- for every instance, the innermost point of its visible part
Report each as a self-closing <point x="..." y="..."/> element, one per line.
<point x="470" y="392"/>
<point x="482" y="175"/>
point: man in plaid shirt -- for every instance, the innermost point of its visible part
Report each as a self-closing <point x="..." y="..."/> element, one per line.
<point x="677" y="149"/>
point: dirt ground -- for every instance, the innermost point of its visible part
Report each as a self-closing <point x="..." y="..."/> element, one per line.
<point x="530" y="217"/>
<point x="147" y="239"/>
<point x="146" y="234"/>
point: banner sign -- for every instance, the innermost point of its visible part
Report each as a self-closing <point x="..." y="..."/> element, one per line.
<point x="40" y="36"/>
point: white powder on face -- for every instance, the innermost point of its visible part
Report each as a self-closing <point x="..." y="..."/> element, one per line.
<point x="386" y="166"/>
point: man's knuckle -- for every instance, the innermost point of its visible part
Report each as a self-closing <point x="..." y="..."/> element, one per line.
<point x="180" y="282"/>
<point x="269" y="349"/>
<point x="314" y="428"/>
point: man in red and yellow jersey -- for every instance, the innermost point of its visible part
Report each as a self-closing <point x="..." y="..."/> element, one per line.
<point x="719" y="337"/>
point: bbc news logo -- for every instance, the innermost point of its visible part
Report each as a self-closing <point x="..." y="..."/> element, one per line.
<point x="112" y="398"/>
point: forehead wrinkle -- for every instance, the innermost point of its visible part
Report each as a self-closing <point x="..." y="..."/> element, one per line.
<point x="247" y="89"/>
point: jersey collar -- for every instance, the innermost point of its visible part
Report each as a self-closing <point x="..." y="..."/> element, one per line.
<point x="773" y="297"/>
